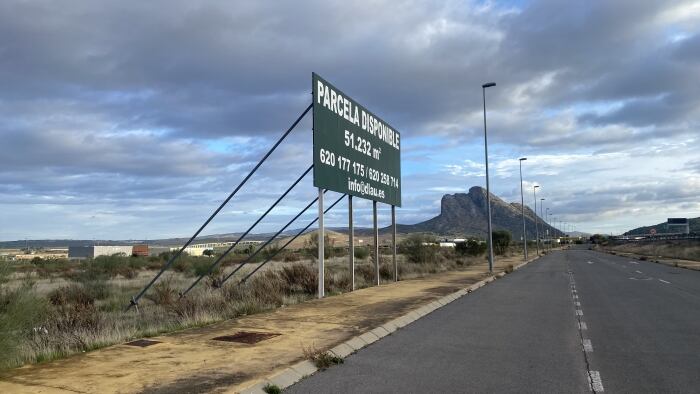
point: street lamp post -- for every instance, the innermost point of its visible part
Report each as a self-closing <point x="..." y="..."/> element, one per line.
<point x="549" y="221"/>
<point x="522" y="206"/>
<point x="488" y="191"/>
<point x="544" y="225"/>
<point x="537" y="231"/>
<point x="547" y="226"/>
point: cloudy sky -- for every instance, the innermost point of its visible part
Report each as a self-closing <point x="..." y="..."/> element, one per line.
<point x="135" y="119"/>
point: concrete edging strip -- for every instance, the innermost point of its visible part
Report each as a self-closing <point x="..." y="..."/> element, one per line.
<point x="296" y="372"/>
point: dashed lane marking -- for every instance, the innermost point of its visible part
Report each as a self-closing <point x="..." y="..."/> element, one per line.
<point x="665" y="281"/>
<point x="633" y="262"/>
<point x="579" y="312"/>
<point x="596" y="382"/>
<point x="583" y="326"/>
<point x="590" y="262"/>
<point x="577" y="303"/>
<point x="639" y="272"/>
<point x="587" y="346"/>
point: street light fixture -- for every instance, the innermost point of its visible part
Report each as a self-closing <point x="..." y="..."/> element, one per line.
<point x="522" y="206"/>
<point x="537" y="231"/>
<point x="488" y="191"/>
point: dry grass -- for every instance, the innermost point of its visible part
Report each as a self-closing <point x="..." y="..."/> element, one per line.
<point x="684" y="250"/>
<point x="82" y="308"/>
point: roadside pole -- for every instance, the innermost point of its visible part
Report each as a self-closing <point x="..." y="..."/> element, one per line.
<point x="351" y="244"/>
<point x="376" y="242"/>
<point x="321" y="246"/>
<point x="537" y="231"/>
<point x="522" y="206"/>
<point x="393" y="242"/>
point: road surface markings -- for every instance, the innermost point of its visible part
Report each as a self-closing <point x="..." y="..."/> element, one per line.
<point x="665" y="281"/>
<point x="596" y="382"/>
<point x="633" y="262"/>
<point x="590" y="262"/>
<point x="639" y="272"/>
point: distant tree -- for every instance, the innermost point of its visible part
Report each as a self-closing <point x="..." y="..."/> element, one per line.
<point x="311" y="245"/>
<point x="471" y="247"/>
<point x="419" y="248"/>
<point x="208" y="252"/>
<point x="501" y="241"/>
<point x="598" y="238"/>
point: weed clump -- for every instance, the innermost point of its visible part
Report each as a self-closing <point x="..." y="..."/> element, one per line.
<point x="272" y="389"/>
<point x="322" y="359"/>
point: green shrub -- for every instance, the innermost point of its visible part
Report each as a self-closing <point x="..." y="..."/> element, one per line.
<point x="471" y="247"/>
<point x="21" y="312"/>
<point x="163" y="292"/>
<point x="361" y="252"/>
<point x="419" y="248"/>
<point x="73" y="294"/>
<point x="501" y="241"/>
<point x="366" y="272"/>
<point x="272" y="389"/>
<point x="386" y="271"/>
<point x="201" y="267"/>
<point x="300" y="276"/>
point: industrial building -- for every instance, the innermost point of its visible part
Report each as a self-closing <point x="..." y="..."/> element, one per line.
<point x="198" y="249"/>
<point x="90" y="252"/>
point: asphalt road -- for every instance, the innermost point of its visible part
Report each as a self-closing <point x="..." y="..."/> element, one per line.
<point x="571" y="322"/>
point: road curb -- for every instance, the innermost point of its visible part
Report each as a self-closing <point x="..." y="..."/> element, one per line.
<point x="297" y="372"/>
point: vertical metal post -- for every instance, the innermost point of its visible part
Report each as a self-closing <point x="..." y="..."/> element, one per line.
<point x="393" y="242"/>
<point x="321" y="246"/>
<point x="351" y="244"/>
<point x="488" y="191"/>
<point x="376" y="242"/>
<point x="522" y="208"/>
<point x="537" y="231"/>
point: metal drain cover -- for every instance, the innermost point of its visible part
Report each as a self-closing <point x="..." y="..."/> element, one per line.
<point x="248" y="337"/>
<point x="142" y="343"/>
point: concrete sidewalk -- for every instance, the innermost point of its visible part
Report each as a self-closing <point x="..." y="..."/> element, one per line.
<point x="191" y="361"/>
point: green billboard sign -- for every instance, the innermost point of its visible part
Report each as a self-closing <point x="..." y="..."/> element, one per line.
<point x="355" y="152"/>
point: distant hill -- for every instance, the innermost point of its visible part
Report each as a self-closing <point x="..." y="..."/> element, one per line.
<point x="661" y="228"/>
<point x="465" y="214"/>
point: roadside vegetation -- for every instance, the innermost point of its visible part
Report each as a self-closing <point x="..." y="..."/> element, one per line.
<point x="674" y="249"/>
<point x="53" y="308"/>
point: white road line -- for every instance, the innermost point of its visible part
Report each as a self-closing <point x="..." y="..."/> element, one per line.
<point x="596" y="382"/>
<point x="579" y="312"/>
<point x="633" y="262"/>
<point x="587" y="346"/>
<point x="583" y="326"/>
<point x="577" y="303"/>
<point x="639" y="272"/>
<point x="575" y="297"/>
<point x="590" y="262"/>
<point x="665" y="281"/>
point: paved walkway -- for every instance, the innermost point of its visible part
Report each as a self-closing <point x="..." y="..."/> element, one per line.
<point x="190" y="361"/>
